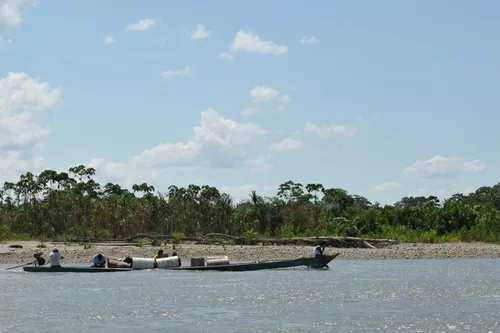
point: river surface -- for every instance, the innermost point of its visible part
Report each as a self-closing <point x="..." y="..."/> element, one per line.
<point x="452" y="295"/>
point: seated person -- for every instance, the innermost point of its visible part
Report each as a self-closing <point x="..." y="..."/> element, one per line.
<point x="99" y="261"/>
<point x="55" y="258"/>
<point x="158" y="256"/>
<point x="39" y="260"/>
<point x="318" y="250"/>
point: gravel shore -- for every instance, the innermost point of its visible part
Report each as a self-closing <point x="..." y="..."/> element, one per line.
<point x="77" y="253"/>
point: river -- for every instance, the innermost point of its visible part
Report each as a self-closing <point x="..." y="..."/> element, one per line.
<point x="452" y="295"/>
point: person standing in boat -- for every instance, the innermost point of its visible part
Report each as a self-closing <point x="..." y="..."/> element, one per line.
<point x="99" y="261"/>
<point x="55" y="258"/>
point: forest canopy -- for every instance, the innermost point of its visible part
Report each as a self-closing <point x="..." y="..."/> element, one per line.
<point x="72" y="203"/>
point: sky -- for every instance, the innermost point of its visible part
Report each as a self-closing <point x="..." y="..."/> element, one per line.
<point x="382" y="98"/>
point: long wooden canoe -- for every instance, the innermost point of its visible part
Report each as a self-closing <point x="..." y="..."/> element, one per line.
<point x="73" y="269"/>
<point x="312" y="262"/>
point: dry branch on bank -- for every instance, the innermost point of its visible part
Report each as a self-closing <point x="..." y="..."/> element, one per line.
<point x="217" y="238"/>
<point x="338" y="242"/>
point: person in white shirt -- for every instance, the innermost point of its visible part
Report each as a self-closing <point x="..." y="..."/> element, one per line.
<point x="318" y="250"/>
<point x="55" y="258"/>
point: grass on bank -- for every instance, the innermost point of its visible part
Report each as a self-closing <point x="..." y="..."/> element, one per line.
<point x="400" y="233"/>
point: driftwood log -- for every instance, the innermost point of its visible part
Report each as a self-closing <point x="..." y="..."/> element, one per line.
<point x="214" y="238"/>
<point x="338" y="242"/>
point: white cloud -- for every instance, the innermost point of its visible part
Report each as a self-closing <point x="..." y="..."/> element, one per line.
<point x="226" y="56"/>
<point x="259" y="164"/>
<point x="95" y="163"/>
<point x="284" y="99"/>
<point x="287" y="144"/>
<point x="14" y="163"/>
<point x="214" y="129"/>
<point x="443" y="167"/>
<point x="11" y="14"/>
<point x="22" y="98"/>
<point x="474" y="166"/>
<point x="217" y="143"/>
<point x="331" y="131"/>
<point x="175" y="153"/>
<point x="200" y="32"/>
<point x="386" y="186"/>
<point x="246" y="41"/>
<point x="142" y="25"/>
<point x="178" y="72"/>
<point x="109" y="39"/>
<point x="20" y="92"/>
<point x="309" y="40"/>
<point x="249" y="111"/>
<point x="20" y="131"/>
<point x="263" y="94"/>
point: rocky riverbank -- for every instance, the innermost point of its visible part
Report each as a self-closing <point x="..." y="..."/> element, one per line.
<point x="80" y="253"/>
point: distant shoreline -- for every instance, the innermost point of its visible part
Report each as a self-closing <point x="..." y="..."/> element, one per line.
<point x="78" y="254"/>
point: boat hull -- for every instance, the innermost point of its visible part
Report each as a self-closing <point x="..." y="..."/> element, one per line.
<point x="319" y="262"/>
<point x="39" y="269"/>
<point x="314" y="262"/>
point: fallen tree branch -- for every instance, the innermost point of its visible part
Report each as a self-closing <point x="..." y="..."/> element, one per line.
<point x="220" y="235"/>
<point x="214" y="238"/>
<point x="368" y="245"/>
<point x="338" y="242"/>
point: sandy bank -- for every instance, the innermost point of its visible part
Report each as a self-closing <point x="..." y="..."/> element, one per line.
<point x="77" y="253"/>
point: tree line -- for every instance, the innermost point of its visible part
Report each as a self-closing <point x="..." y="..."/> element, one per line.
<point x="72" y="203"/>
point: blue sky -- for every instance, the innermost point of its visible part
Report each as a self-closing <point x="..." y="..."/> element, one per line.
<point x="384" y="99"/>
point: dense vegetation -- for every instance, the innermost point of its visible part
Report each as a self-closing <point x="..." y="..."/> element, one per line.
<point x="73" y="203"/>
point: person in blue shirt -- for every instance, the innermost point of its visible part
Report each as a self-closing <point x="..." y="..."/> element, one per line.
<point x="99" y="261"/>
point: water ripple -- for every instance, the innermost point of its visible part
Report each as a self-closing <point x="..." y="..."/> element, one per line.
<point x="353" y="296"/>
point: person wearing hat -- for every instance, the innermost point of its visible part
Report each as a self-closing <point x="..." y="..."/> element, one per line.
<point x="55" y="258"/>
<point x="99" y="261"/>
